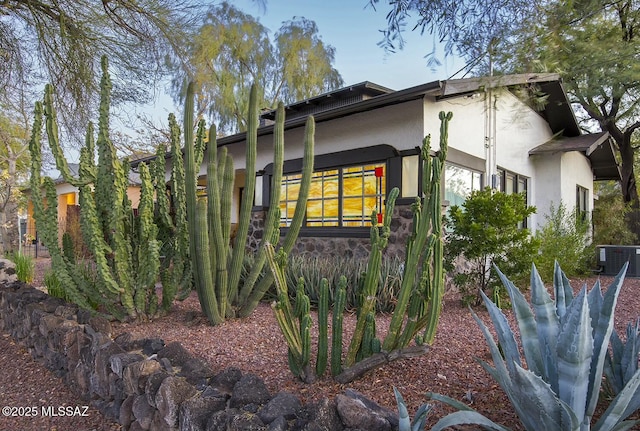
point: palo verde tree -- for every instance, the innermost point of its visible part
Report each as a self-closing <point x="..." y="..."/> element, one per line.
<point x="14" y="166"/>
<point x="231" y="50"/>
<point x="55" y="41"/>
<point x="594" y="45"/>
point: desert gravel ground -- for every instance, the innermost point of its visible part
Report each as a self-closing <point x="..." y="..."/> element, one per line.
<point x="255" y="345"/>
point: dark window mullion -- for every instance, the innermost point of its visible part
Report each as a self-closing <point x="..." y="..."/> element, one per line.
<point x="340" y="196"/>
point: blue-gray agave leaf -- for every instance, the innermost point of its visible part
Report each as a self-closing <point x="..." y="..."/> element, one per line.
<point x="505" y="334"/>
<point x="623" y="405"/>
<point x="562" y="290"/>
<point x="526" y="324"/>
<point x="602" y="328"/>
<point x="548" y="326"/>
<point x="575" y="348"/>
<point x="404" y="421"/>
<point x="467" y="417"/>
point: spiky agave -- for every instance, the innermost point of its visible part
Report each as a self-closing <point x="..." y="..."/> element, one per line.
<point x="565" y="344"/>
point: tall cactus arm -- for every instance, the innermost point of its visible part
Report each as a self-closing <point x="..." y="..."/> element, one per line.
<point x="282" y="307"/>
<point x="226" y="181"/>
<point x="207" y="292"/>
<point x="105" y="192"/>
<point x="87" y="169"/>
<point x="378" y="243"/>
<point x="427" y="219"/>
<point x="54" y="139"/>
<point x="300" y="210"/>
<point x="305" y="186"/>
<point x="216" y="237"/>
<point x="249" y="297"/>
<point x="178" y="195"/>
<point x="148" y="253"/>
<point x="336" y="327"/>
<point x="323" y="325"/>
<point x="246" y="206"/>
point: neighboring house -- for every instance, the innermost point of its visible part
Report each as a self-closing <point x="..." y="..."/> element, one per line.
<point x="367" y="139"/>
<point x="68" y="209"/>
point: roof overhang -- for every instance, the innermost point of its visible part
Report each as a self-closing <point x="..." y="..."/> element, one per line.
<point x="597" y="147"/>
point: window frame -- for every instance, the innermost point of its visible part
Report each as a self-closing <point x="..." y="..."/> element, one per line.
<point x="582" y="196"/>
<point x="520" y="183"/>
<point x="383" y="154"/>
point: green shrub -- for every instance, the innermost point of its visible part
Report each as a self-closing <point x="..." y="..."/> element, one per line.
<point x="564" y="238"/>
<point x="53" y="285"/>
<point x="25" y="267"/>
<point x="610" y="217"/>
<point x="486" y="231"/>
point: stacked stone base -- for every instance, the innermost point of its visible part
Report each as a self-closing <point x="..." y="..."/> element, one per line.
<point x="147" y="385"/>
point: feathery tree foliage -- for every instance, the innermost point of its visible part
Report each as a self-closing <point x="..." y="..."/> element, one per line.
<point x="61" y="41"/>
<point x="593" y="44"/>
<point x="14" y="165"/>
<point x="231" y="50"/>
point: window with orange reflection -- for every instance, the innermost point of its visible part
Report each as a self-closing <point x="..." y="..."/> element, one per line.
<point x="343" y="197"/>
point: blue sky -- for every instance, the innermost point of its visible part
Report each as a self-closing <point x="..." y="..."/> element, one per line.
<point x="353" y="29"/>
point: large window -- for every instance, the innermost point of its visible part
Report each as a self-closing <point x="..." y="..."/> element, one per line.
<point x="342" y="197"/>
<point x="459" y="182"/>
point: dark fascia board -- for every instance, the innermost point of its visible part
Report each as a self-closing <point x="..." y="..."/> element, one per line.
<point x="456" y="87"/>
<point x="396" y="97"/>
<point x="597" y="147"/>
<point x="365" y="88"/>
<point x="437" y="89"/>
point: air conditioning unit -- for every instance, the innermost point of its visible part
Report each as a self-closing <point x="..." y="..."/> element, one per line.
<point x="612" y="257"/>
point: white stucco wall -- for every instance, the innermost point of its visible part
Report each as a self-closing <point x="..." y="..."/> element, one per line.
<point x="556" y="177"/>
<point x="399" y="126"/>
<point x="518" y="129"/>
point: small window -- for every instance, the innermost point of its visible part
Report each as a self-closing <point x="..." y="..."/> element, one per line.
<point x="582" y="202"/>
<point x="459" y="182"/>
<point x="342" y="197"/>
<point x="510" y="182"/>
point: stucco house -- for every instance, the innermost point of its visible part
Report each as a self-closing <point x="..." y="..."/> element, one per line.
<point x="516" y="133"/>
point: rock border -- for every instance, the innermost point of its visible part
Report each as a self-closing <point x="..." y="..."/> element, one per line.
<point x="145" y="384"/>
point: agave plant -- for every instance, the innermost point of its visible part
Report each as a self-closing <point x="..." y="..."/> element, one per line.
<point x="404" y="421"/>
<point x="622" y="362"/>
<point x="565" y="343"/>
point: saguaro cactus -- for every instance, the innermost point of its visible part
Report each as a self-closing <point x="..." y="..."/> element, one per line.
<point x="217" y="269"/>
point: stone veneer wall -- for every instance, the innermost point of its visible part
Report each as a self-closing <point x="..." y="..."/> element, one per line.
<point x="337" y="246"/>
<point x="147" y="385"/>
